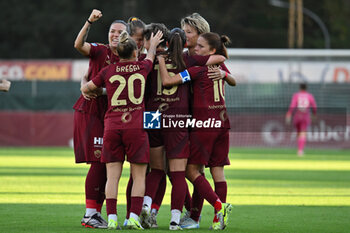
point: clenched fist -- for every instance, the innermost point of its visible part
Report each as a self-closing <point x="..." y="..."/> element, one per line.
<point x="95" y="15"/>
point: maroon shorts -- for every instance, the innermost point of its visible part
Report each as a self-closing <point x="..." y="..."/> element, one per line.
<point x="175" y="142"/>
<point x="87" y="137"/>
<point x="130" y="142"/>
<point x="209" y="148"/>
<point x="301" y="123"/>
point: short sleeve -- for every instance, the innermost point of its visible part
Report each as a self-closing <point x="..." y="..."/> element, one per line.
<point x="148" y="65"/>
<point x="196" y="60"/>
<point x="224" y="68"/>
<point x="197" y="71"/>
<point x="95" y="48"/>
<point x="98" y="80"/>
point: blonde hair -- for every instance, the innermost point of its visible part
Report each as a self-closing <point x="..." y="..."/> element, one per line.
<point x="197" y="21"/>
<point x="126" y="45"/>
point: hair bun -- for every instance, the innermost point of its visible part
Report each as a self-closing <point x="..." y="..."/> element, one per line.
<point x="133" y="18"/>
<point x="225" y="40"/>
<point x="124" y="37"/>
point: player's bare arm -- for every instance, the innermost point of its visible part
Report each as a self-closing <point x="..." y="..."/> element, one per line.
<point x="89" y="89"/>
<point x="80" y="43"/>
<point x="215" y="60"/>
<point x="155" y="40"/>
<point x="167" y="81"/>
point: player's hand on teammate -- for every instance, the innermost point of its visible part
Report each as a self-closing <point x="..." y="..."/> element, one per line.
<point x="93" y="94"/>
<point x="95" y="15"/>
<point x="216" y="73"/>
<point x="161" y="57"/>
<point x="157" y="38"/>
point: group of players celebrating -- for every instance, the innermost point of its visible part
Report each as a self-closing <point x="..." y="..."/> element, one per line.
<point x="144" y="68"/>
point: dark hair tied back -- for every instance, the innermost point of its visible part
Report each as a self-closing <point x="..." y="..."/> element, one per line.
<point x="180" y="32"/>
<point x="225" y="40"/>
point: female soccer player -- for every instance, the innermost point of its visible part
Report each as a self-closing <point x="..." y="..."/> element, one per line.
<point x="154" y="196"/>
<point x="173" y="100"/>
<point x="193" y="25"/>
<point x="300" y="105"/>
<point x="125" y="84"/>
<point x="209" y="146"/>
<point x="88" y="118"/>
<point x="136" y="29"/>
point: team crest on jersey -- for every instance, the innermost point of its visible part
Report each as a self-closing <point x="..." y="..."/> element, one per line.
<point x="94" y="44"/>
<point x="97" y="153"/>
<point x="151" y="120"/>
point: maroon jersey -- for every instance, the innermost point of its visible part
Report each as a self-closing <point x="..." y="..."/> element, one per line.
<point x="175" y="98"/>
<point x="208" y="100"/>
<point x="125" y="84"/>
<point x="100" y="56"/>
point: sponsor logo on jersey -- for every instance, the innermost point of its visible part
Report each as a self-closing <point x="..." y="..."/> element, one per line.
<point x="98" y="141"/>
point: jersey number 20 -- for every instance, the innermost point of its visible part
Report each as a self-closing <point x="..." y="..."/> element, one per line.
<point x="115" y="101"/>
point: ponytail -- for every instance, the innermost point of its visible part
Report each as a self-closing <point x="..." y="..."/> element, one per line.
<point x="177" y="40"/>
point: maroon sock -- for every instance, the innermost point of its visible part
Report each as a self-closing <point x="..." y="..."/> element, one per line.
<point x="136" y="205"/>
<point x="205" y="190"/>
<point x="160" y="193"/>
<point x="197" y="205"/>
<point x="221" y="190"/>
<point x="128" y="196"/>
<point x="188" y="200"/>
<point x="111" y="206"/>
<point x="152" y="182"/>
<point x="99" y="207"/>
<point x="179" y="184"/>
<point x="95" y="183"/>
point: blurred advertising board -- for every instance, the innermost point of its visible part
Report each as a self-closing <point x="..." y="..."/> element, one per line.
<point x="35" y="70"/>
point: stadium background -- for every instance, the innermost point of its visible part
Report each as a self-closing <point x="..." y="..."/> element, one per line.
<point x="37" y="55"/>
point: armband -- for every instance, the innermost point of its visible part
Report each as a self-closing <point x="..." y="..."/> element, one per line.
<point x="89" y="21"/>
<point x="185" y="76"/>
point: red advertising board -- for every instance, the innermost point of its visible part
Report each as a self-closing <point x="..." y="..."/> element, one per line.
<point x="250" y="130"/>
<point x="36" y="128"/>
<point x="39" y="70"/>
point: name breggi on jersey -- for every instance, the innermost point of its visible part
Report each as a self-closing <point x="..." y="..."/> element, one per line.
<point x="194" y="123"/>
<point x="127" y="68"/>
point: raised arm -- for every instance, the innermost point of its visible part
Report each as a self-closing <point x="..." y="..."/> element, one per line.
<point x="154" y="42"/>
<point x="80" y="43"/>
<point x="166" y="79"/>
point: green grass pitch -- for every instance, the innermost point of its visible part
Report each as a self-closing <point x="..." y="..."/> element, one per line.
<point x="272" y="190"/>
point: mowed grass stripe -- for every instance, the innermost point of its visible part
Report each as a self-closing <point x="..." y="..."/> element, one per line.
<point x="272" y="191"/>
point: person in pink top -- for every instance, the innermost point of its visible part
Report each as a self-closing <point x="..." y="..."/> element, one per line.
<point x="300" y="105"/>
